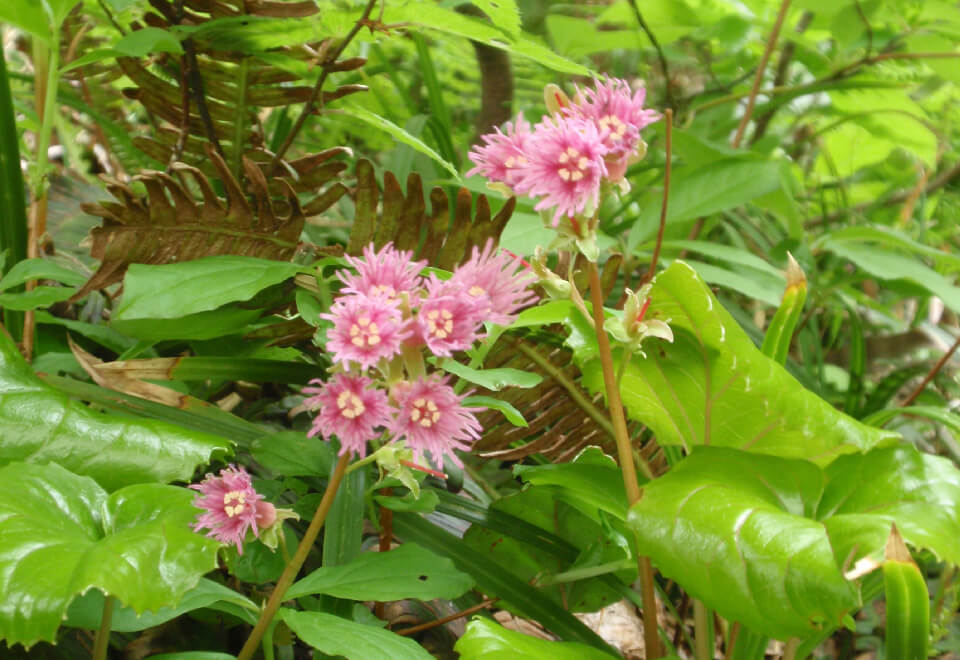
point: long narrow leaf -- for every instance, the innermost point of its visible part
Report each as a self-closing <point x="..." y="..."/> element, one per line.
<point x="13" y="214"/>
<point x="494" y="580"/>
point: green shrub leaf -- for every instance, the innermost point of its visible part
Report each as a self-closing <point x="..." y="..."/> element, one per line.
<point x="39" y="424"/>
<point x="62" y="535"/>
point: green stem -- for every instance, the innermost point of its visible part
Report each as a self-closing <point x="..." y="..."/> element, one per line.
<point x="790" y="649"/>
<point x="701" y="626"/>
<point x="47" y="110"/>
<point x="625" y="453"/>
<point x="290" y="572"/>
<point x="43" y="56"/>
<point x="102" y="640"/>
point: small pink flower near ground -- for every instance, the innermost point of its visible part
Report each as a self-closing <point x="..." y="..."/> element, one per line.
<point x="566" y="167"/>
<point x="349" y="409"/>
<point x="498" y="281"/>
<point x="231" y="507"/>
<point x="365" y="329"/>
<point x="449" y="319"/>
<point x="432" y="419"/>
<point x="504" y="153"/>
<point x="387" y="272"/>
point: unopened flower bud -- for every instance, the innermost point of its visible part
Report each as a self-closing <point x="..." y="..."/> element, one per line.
<point x="555" y="286"/>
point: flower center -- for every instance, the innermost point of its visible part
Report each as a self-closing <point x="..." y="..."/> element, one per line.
<point x="364" y="333"/>
<point x="613" y="124"/>
<point x="573" y="165"/>
<point x="386" y="290"/>
<point x="350" y="405"/>
<point x="514" y="161"/>
<point x="476" y="291"/>
<point x="440" y="323"/>
<point x="425" y="412"/>
<point x="234" y="496"/>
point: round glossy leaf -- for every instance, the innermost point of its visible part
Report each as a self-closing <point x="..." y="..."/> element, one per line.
<point x="61" y="535"/>
<point x="713" y="386"/>
<point x="40" y="424"/>
<point x="735" y="530"/>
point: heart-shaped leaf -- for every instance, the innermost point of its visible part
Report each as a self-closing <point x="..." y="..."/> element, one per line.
<point x="733" y="529"/>
<point x="866" y="493"/>
<point x="713" y="386"/>
<point x="62" y="534"/>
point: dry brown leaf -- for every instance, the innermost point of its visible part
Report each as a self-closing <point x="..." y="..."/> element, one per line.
<point x="117" y="380"/>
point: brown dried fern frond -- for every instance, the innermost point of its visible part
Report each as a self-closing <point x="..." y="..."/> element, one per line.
<point x="562" y="418"/>
<point x="217" y="90"/>
<point x="171" y="224"/>
<point x="442" y="238"/>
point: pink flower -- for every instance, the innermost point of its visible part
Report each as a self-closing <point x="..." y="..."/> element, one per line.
<point x="365" y="329"/>
<point x="349" y="410"/>
<point x="386" y="273"/>
<point x="432" y="419"/>
<point x="232" y="507"/>
<point x="566" y="166"/>
<point x="504" y="154"/>
<point x="449" y="319"/>
<point x="497" y="281"/>
<point x="618" y="113"/>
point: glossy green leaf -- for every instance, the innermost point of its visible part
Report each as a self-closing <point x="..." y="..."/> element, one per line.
<point x="36" y="269"/>
<point x="866" y="493"/>
<point x="487" y="640"/>
<point x="227" y="320"/>
<point x="171" y="291"/>
<point x="41" y="425"/>
<point x="26" y="15"/>
<point x="85" y="611"/>
<point x="293" y="454"/>
<point x="513" y="415"/>
<point x="591" y="482"/>
<point x="62" y="534"/>
<point x="492" y="379"/>
<point x="33" y="17"/>
<point x="712" y="386"/>
<point x="889" y="265"/>
<point x="701" y="191"/>
<point x="41" y="296"/>
<point x="336" y="636"/>
<point x="491" y="579"/>
<point x="399" y="134"/>
<point x="441" y="19"/>
<point x="734" y="529"/>
<point x="405" y="572"/>
<point x="138" y="43"/>
<point x="502" y="13"/>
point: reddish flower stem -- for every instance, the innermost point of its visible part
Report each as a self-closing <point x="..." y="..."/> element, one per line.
<point x="652" y="270"/>
<point x="752" y="99"/>
<point x="290" y="572"/>
<point x="651" y="636"/>
<point x="932" y="373"/>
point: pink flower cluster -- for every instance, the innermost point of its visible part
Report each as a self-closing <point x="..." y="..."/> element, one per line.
<point x="231" y="507"/>
<point x="565" y="158"/>
<point x="386" y="316"/>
